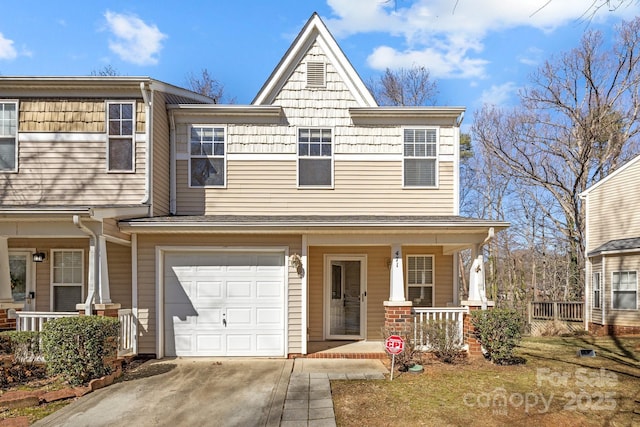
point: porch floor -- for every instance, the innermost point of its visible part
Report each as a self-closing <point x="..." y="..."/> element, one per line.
<point x="346" y="349"/>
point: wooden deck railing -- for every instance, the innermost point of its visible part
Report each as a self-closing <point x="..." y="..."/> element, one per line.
<point x="568" y="311"/>
<point x="424" y="315"/>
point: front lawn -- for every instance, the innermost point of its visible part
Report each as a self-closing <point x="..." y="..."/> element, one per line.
<point x="554" y="387"/>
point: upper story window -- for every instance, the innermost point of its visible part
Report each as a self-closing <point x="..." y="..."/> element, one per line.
<point x="420" y="280"/>
<point x="420" y="161"/>
<point x="315" y="158"/>
<point x="121" y="143"/>
<point x="8" y="136"/>
<point x="624" y="290"/>
<point x="207" y="162"/>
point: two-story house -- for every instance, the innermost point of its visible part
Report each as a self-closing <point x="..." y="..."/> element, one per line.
<point x="311" y="215"/>
<point x="613" y="252"/>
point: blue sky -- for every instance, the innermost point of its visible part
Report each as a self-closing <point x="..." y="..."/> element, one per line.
<point x="477" y="50"/>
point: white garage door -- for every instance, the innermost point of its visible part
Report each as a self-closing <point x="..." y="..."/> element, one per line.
<point x="224" y="304"/>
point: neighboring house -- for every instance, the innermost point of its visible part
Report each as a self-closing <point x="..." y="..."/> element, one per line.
<point x="310" y="215"/>
<point x="613" y="252"/>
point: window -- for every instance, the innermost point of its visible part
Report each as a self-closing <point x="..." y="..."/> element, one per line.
<point x="207" y="164"/>
<point x="67" y="277"/>
<point x="624" y="288"/>
<point x="316" y="76"/>
<point x="8" y="136"/>
<point x="315" y="156"/>
<point x="420" y="146"/>
<point x="596" y="291"/>
<point x="121" y="145"/>
<point x="420" y="280"/>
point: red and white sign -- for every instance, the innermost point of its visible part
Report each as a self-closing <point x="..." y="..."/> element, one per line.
<point x="394" y="344"/>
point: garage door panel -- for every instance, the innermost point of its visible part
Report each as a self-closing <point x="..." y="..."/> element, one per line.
<point x="245" y="289"/>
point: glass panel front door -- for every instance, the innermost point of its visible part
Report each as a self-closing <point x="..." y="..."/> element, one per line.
<point x="20" y="271"/>
<point x="346" y="296"/>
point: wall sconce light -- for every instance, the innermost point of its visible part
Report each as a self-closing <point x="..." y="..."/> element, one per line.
<point x="296" y="262"/>
<point x="388" y="263"/>
<point x="38" y="256"/>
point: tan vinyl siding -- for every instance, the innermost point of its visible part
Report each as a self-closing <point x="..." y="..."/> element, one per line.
<point x="630" y="262"/>
<point x="147" y="279"/>
<point x="161" y="154"/>
<point x="270" y="187"/>
<point x="613" y="208"/>
<point x="66" y="115"/>
<point x="72" y="173"/>
<point x="119" y="274"/>
<point x="110" y="229"/>
<point x="43" y="269"/>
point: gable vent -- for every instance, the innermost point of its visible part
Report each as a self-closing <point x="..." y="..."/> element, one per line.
<point x="316" y="74"/>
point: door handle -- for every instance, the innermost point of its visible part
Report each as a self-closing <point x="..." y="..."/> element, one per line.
<point x="224" y="320"/>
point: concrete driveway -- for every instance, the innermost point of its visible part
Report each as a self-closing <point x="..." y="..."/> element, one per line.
<point x="186" y="392"/>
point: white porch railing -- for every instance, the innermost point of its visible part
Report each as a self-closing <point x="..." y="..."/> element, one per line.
<point x="127" y="335"/>
<point x="127" y="338"/>
<point x="35" y="320"/>
<point x="424" y="315"/>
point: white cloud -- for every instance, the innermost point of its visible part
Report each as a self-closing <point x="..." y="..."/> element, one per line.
<point x="7" y="51"/>
<point x="136" y="41"/>
<point x="499" y="95"/>
<point x="449" y="35"/>
<point x="532" y="56"/>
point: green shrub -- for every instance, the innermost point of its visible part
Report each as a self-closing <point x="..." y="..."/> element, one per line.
<point x="25" y="346"/>
<point x="80" y="348"/>
<point x="443" y="339"/>
<point x="411" y="355"/>
<point x="499" y="332"/>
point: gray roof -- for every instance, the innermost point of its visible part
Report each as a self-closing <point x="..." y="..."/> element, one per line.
<point x="618" y="245"/>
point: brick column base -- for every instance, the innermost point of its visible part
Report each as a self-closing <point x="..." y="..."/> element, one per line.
<point x="474" y="348"/>
<point x="105" y="310"/>
<point x="398" y="318"/>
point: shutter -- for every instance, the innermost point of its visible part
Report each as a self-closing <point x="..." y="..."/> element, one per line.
<point x="316" y="74"/>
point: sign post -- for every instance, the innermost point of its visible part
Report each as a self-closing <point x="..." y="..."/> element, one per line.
<point x="394" y="345"/>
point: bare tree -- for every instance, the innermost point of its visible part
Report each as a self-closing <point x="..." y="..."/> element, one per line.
<point x="404" y="87"/>
<point x="206" y="85"/>
<point x="577" y="121"/>
<point x="106" y="71"/>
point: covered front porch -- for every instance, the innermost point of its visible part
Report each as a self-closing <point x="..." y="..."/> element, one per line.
<point x="364" y="287"/>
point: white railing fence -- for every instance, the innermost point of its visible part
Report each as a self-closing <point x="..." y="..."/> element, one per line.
<point x="453" y="316"/>
<point x="127" y="335"/>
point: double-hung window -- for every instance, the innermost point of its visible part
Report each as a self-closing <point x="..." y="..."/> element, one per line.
<point x="67" y="278"/>
<point x="315" y="158"/>
<point x="597" y="295"/>
<point x="420" y="157"/>
<point x="624" y="290"/>
<point x="207" y="162"/>
<point x="121" y="131"/>
<point x="8" y="136"/>
<point x="420" y="280"/>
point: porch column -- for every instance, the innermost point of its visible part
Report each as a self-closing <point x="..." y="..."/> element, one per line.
<point x="396" y="291"/>
<point x="476" y="277"/>
<point x="5" y="275"/>
<point x="104" y="294"/>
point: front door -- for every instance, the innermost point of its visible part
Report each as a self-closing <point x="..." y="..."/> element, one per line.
<point x="21" y="270"/>
<point x="345" y="296"/>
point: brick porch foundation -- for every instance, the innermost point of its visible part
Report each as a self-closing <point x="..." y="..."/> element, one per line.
<point x="613" y="330"/>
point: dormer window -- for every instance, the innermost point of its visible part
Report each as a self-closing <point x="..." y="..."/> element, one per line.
<point x="316" y="74"/>
<point x="120" y="131"/>
<point x="8" y="136"/>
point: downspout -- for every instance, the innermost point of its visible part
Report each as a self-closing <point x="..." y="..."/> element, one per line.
<point x="172" y="163"/>
<point x="93" y="263"/>
<point x="146" y="97"/>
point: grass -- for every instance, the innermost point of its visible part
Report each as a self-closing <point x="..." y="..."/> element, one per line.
<point x="554" y="387"/>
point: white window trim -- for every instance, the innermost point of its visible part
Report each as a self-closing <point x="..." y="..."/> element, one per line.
<point x="433" y="276"/>
<point x="17" y="103"/>
<point x="189" y="156"/>
<point x="133" y="136"/>
<point x="436" y="158"/>
<point x="613" y="291"/>
<point x="593" y="290"/>
<point x="51" y="275"/>
<point x="333" y="155"/>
